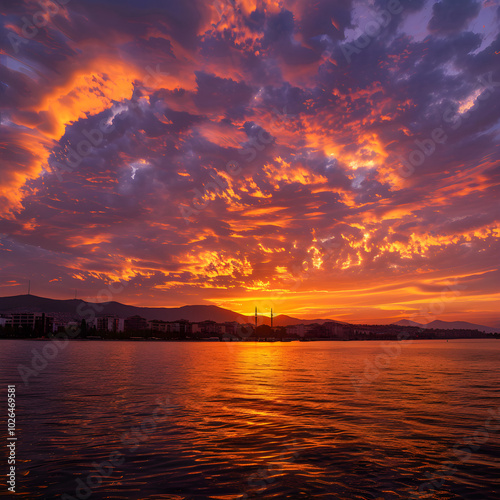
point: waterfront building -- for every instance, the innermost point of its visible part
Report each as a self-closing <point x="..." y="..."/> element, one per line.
<point x="135" y="323"/>
<point x="109" y="324"/>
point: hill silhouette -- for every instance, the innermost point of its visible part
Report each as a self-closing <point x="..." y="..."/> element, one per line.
<point x="193" y="313"/>
<point x="448" y="325"/>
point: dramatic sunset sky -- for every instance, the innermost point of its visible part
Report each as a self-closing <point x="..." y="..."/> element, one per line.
<point x="244" y="153"/>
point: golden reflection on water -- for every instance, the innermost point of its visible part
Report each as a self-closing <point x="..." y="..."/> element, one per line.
<point x="275" y="420"/>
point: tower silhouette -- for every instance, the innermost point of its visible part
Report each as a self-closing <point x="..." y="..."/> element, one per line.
<point x="271" y="317"/>
<point x="255" y="318"/>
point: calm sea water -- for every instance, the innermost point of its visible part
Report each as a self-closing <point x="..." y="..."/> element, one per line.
<point x="326" y="420"/>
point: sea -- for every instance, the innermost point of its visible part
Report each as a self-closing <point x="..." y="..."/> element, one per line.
<point x="236" y="420"/>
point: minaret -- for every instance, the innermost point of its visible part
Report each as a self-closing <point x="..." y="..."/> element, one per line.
<point x="255" y="318"/>
<point x="271" y="317"/>
<point x="29" y="287"/>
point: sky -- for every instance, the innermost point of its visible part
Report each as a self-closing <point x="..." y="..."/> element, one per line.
<point x="327" y="158"/>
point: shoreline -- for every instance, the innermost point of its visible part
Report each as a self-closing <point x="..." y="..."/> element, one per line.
<point x="492" y="337"/>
